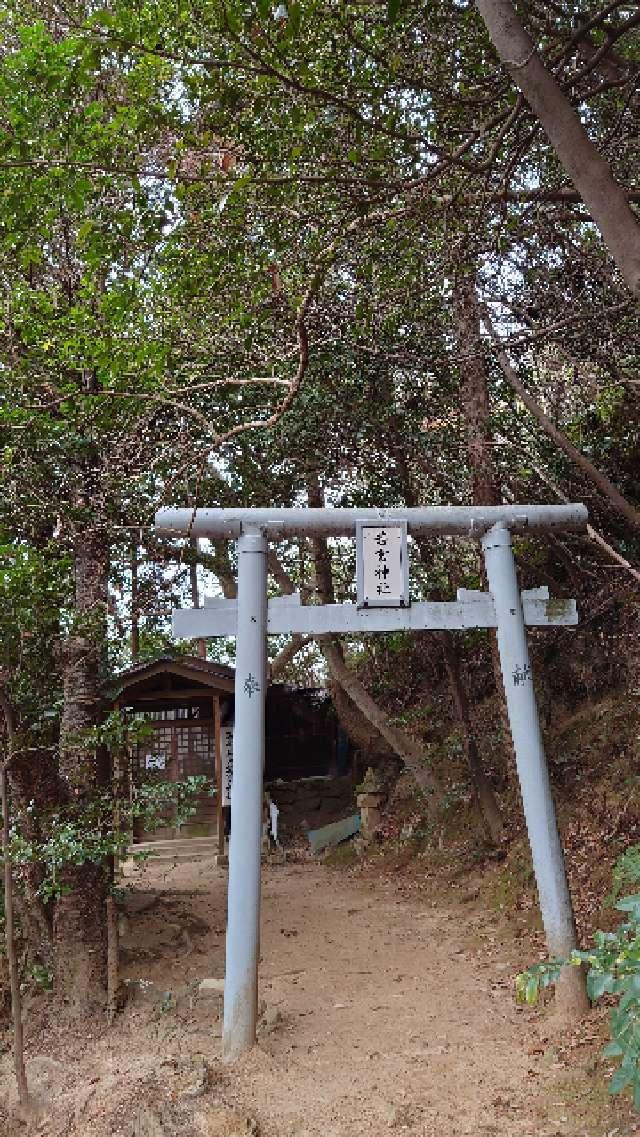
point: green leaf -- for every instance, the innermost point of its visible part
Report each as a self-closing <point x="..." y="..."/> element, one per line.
<point x="629" y="904"/>
<point x="612" y="1050"/>
<point x="393" y="10"/>
<point x="531" y="990"/>
<point x="598" y="982"/>
<point x="623" y="1076"/>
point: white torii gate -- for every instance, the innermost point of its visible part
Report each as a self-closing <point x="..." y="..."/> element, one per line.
<point x="252" y="617"/>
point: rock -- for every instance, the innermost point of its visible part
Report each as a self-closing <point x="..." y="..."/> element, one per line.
<point x="207" y="986"/>
<point x="271" y="1018"/>
<point x="217" y="1120"/>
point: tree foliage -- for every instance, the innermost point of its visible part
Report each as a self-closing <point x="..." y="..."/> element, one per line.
<point x="231" y="237"/>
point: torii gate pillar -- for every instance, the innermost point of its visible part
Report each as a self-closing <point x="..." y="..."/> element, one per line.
<point x="243" y="917"/>
<point x="533" y="773"/>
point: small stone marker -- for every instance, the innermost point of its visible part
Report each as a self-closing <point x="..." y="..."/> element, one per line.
<point x="370" y="799"/>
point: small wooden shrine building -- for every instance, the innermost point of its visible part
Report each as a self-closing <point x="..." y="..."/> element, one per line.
<point x="188" y="701"/>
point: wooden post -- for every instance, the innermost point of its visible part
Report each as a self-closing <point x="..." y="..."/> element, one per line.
<point x="217" y="742"/>
<point x="16" y="1000"/>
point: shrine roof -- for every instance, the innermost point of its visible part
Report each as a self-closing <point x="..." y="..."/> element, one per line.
<point x="205" y="672"/>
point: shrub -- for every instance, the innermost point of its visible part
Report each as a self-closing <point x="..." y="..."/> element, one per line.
<point x="613" y="968"/>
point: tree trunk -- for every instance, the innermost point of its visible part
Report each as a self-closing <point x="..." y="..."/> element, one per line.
<point x="589" y="172"/>
<point x="286" y="655"/>
<point x="474" y="391"/>
<point x="408" y="750"/>
<point x="10" y="941"/>
<point x="363" y="735"/>
<point x="135" y="611"/>
<point x="32" y="777"/>
<point x="474" y="399"/>
<point x="80" y="935"/>
<point x="483" y="791"/>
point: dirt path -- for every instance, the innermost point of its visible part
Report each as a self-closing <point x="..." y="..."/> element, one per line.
<point x="392" y="1019"/>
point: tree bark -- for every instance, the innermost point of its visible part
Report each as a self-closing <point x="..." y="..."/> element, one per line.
<point x="135" y="612"/>
<point x="474" y="391"/>
<point x="588" y="170"/>
<point x="363" y="735"/>
<point x="10" y="942"/>
<point x="483" y="791"/>
<point x="476" y="409"/>
<point x="407" y="749"/>
<point x="80" y="934"/>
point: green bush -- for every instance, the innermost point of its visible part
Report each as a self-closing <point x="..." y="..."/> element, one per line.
<point x="613" y="968"/>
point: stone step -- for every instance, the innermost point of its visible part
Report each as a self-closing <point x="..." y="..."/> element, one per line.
<point x="161" y="846"/>
<point x="179" y="851"/>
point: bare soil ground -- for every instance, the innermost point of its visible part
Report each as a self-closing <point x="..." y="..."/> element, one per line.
<point x="382" y="1013"/>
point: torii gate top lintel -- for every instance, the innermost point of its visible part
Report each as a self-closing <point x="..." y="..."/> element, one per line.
<point x="441" y="520"/>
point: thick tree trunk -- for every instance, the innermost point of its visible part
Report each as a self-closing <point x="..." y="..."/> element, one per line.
<point x="474" y="399"/>
<point x="80" y="934"/>
<point x="588" y="170"/>
<point x="474" y="391"/>
<point x="363" y="735"/>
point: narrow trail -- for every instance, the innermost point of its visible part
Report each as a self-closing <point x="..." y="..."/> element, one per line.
<point x="382" y="1015"/>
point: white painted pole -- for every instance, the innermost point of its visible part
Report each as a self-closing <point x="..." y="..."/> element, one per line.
<point x="243" y="919"/>
<point x="537" y="799"/>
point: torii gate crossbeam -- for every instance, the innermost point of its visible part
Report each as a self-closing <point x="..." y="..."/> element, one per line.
<point x="253" y="617"/>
